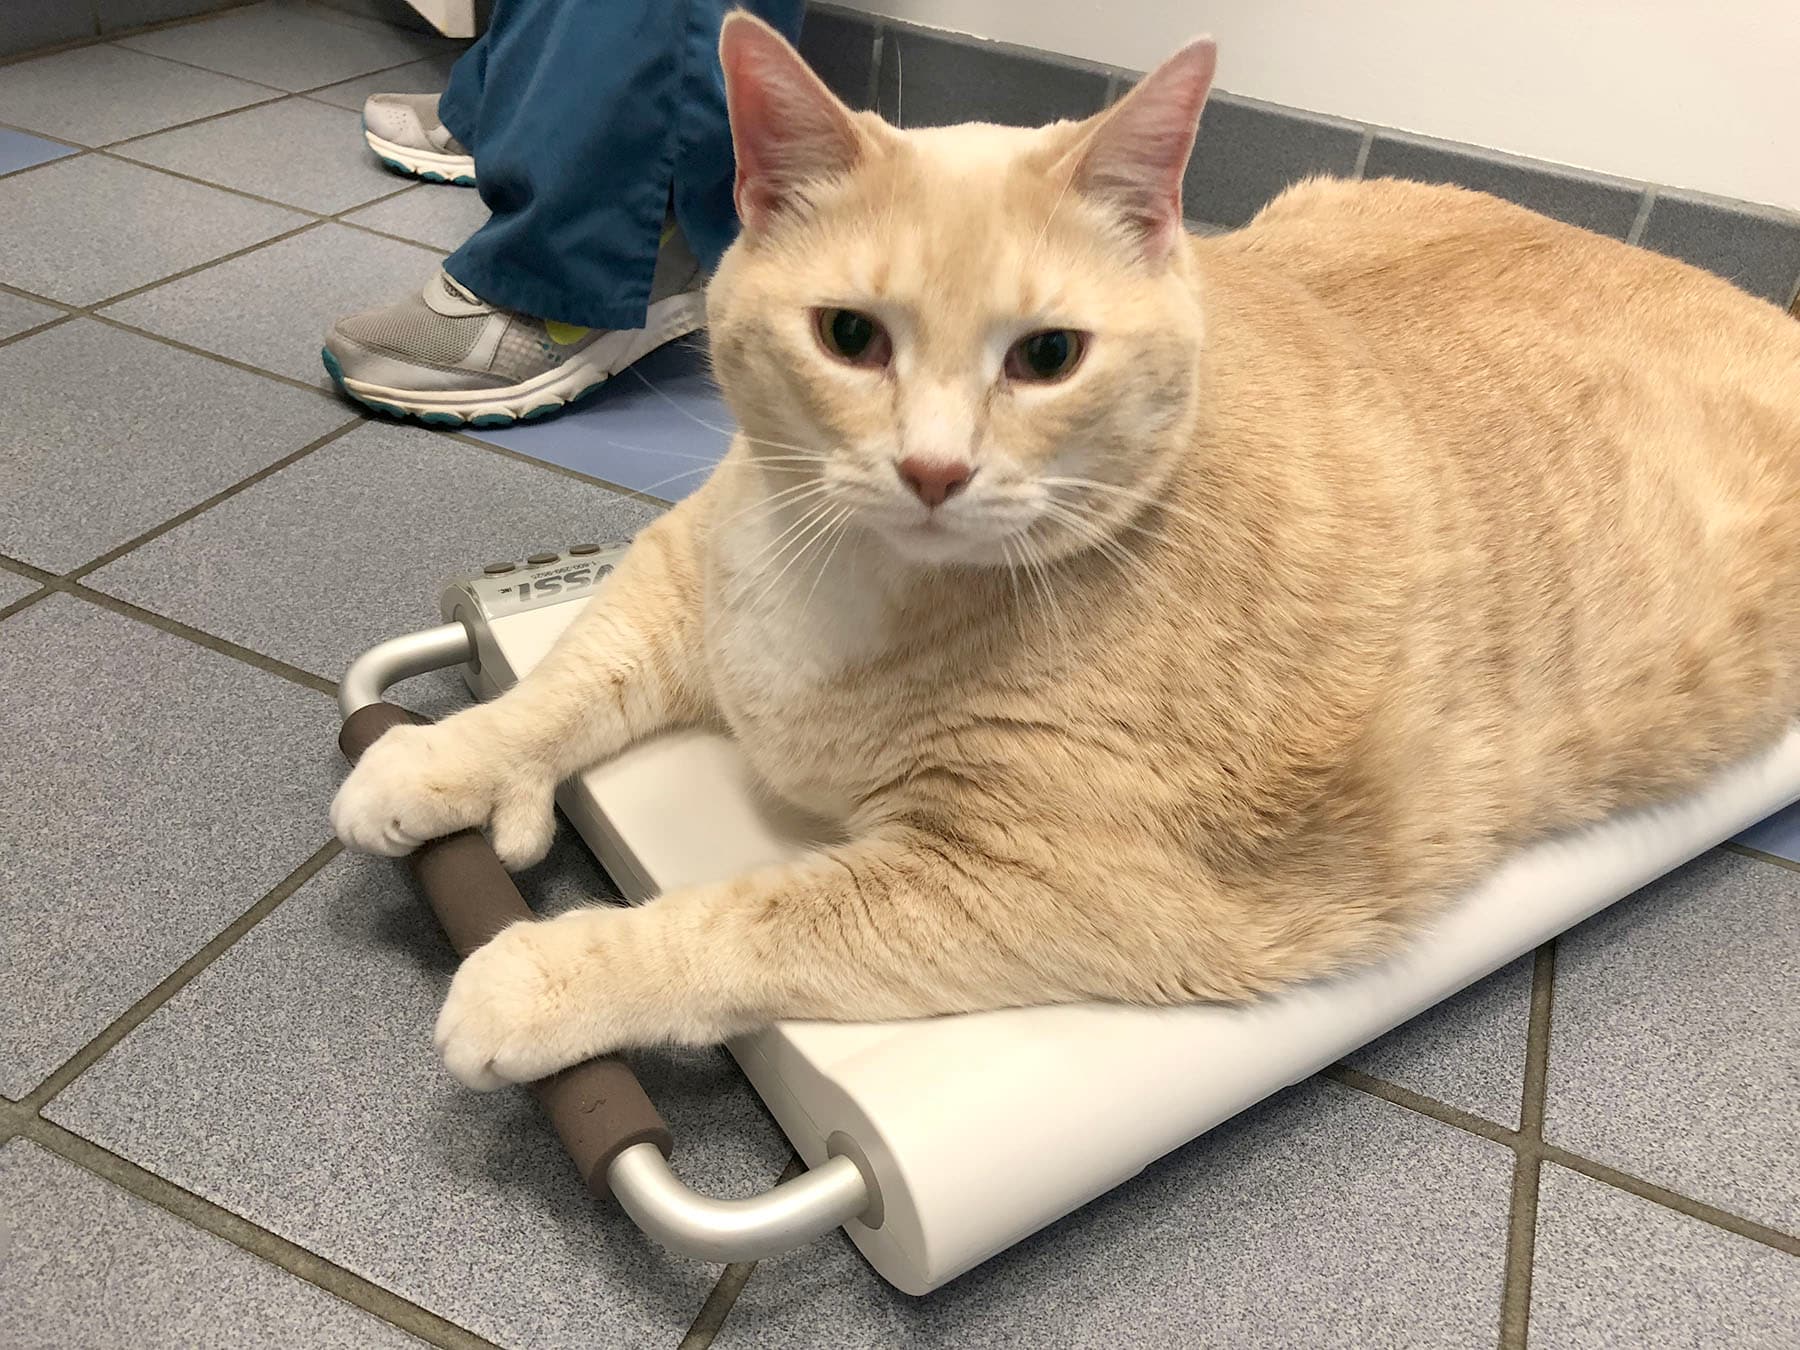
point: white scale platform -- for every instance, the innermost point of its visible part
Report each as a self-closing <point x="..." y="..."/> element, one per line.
<point x="980" y="1129"/>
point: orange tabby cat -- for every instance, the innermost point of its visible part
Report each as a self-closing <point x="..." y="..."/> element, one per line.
<point x="1163" y="618"/>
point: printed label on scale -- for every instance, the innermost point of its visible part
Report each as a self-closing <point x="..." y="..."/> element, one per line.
<point x="529" y="585"/>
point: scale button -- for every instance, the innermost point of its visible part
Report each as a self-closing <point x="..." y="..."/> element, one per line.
<point x="539" y="559"/>
<point x="498" y="569"/>
<point x="582" y="550"/>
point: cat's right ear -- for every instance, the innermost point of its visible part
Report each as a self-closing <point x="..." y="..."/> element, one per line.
<point x="787" y="128"/>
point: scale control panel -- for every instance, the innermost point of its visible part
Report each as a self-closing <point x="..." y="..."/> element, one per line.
<point x="549" y="577"/>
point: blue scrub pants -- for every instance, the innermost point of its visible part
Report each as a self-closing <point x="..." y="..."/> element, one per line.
<point x="590" y="120"/>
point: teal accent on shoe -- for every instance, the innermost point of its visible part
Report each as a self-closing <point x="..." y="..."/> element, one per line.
<point x="463" y="180"/>
<point x="585" y="392"/>
<point x="390" y="409"/>
<point x="440" y="419"/>
<point x="332" y="368"/>
<point x="433" y="176"/>
<point x="542" y="410"/>
<point x="396" y="165"/>
<point x="492" y="420"/>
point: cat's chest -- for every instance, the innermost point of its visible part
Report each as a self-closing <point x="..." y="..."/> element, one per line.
<point x="785" y="638"/>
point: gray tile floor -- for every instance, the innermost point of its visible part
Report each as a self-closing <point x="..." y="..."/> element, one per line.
<point x="221" y="1124"/>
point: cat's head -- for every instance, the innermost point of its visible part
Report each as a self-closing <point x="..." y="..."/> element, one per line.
<point x="982" y="341"/>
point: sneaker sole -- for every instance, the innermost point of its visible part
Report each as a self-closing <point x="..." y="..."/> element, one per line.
<point x="430" y="165"/>
<point x="541" y="396"/>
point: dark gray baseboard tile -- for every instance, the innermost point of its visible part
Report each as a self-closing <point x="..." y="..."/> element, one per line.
<point x="115" y="15"/>
<point x="1248" y="152"/>
<point x="43" y="23"/>
<point x="841" y="49"/>
<point x="1593" y="202"/>
<point x="1758" y="251"/>
<point x="929" y="81"/>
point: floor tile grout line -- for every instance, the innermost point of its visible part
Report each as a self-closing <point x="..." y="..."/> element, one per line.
<point x="1521" y="1249"/>
<point x="119" y="40"/>
<point x="262" y="1243"/>
<point x="76" y="147"/>
<point x="25" y="602"/>
<point x="1761" y="855"/>
<point x="1537" y="1041"/>
<point x="619" y="489"/>
<point x="93" y="309"/>
<point x="30" y="571"/>
<point x="276" y="95"/>
<point x="186" y="272"/>
<point x="176" y="980"/>
<point x="112" y="555"/>
<point x="67" y="308"/>
<point x="44" y="327"/>
<point x="231" y="361"/>
<point x="280" y="96"/>
<point x="1455" y="1117"/>
<point x="1522" y="1213"/>
<point x="199" y="637"/>
<point x="1682" y="1204"/>
<point x="389" y="234"/>
<point x="723" y="1296"/>
<point x="135" y="137"/>
<point x="720" y="1300"/>
<point x="1419" y="1103"/>
<point x="317" y="216"/>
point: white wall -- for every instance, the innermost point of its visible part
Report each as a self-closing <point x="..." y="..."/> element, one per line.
<point x="1701" y="94"/>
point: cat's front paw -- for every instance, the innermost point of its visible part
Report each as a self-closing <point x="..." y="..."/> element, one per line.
<point x="424" y="782"/>
<point x="521" y="1007"/>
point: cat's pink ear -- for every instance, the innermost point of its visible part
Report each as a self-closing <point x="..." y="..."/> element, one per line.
<point x="1135" y="156"/>
<point x="787" y="128"/>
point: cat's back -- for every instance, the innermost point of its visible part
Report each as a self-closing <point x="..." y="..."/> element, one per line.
<point x="1418" y="269"/>
<point x="1519" y="347"/>
<point x="1599" y="447"/>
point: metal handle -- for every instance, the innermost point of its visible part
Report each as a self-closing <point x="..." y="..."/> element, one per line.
<point x="611" y="1130"/>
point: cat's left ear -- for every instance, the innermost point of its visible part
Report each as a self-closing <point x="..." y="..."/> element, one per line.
<point x="1134" y="157"/>
<point x="787" y="128"/>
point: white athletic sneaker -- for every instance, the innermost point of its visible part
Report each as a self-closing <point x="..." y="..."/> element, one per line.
<point x="449" y="358"/>
<point x="405" y="133"/>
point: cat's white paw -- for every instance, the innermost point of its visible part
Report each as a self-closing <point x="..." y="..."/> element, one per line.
<point x="520" y="1007"/>
<point x="423" y="782"/>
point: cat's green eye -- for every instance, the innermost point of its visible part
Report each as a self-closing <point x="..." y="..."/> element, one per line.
<point x="853" y="336"/>
<point x="1045" y="356"/>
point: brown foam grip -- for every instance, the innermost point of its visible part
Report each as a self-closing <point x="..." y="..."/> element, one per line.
<point x="598" y="1107"/>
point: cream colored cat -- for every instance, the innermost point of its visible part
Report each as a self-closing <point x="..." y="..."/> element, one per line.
<point x="1164" y="619"/>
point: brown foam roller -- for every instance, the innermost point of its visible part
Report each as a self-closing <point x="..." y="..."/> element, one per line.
<point x="598" y="1107"/>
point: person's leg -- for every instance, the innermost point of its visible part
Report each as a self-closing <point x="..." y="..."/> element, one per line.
<point x="704" y="168"/>
<point x="590" y="116"/>
<point x="590" y="119"/>
<point x="460" y="102"/>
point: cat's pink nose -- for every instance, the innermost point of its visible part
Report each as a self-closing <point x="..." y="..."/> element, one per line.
<point x="935" y="481"/>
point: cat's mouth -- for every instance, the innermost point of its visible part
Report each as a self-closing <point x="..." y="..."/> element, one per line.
<point x="940" y="538"/>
